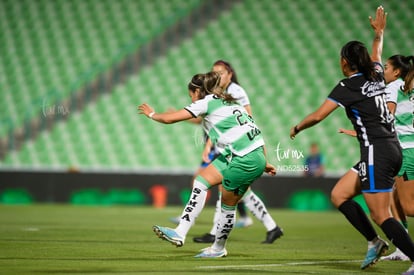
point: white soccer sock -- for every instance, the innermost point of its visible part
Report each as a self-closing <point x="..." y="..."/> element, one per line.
<point x="193" y="208"/>
<point x="225" y="225"/>
<point x="258" y="209"/>
<point x="216" y="218"/>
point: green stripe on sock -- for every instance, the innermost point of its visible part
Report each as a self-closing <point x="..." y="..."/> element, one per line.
<point x="203" y="181"/>
<point x="228" y="207"/>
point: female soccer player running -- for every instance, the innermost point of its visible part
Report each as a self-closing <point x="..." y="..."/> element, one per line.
<point x="362" y="94"/>
<point x="230" y="85"/>
<point x="241" y="162"/>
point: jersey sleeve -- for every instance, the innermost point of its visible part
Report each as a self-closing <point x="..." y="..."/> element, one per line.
<point x="391" y="91"/>
<point x="198" y="107"/>
<point x="339" y="95"/>
<point x="239" y="94"/>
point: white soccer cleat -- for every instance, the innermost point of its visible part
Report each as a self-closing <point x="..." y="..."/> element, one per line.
<point x="397" y="255"/>
<point x="208" y="252"/>
<point x="169" y="235"/>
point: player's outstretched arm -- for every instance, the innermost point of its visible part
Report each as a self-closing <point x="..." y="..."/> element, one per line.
<point x="327" y="107"/>
<point x="167" y="117"/>
<point x="378" y="25"/>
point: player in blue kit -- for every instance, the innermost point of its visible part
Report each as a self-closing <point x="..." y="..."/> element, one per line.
<point x="362" y="95"/>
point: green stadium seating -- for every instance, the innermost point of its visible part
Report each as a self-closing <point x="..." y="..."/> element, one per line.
<point x="286" y="55"/>
<point x="52" y="48"/>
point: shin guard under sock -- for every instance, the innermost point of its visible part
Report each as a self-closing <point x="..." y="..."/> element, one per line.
<point x="216" y="217"/>
<point x="396" y="233"/>
<point x="357" y="217"/>
<point x="258" y="209"/>
<point x="226" y="223"/>
<point x="193" y="208"/>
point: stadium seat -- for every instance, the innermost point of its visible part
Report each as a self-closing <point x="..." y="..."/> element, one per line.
<point x="287" y="61"/>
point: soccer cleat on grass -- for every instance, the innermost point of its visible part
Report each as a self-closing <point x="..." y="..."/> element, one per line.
<point x="206" y="238"/>
<point x="169" y="235"/>
<point x="244" y="222"/>
<point x="397" y="255"/>
<point x="208" y="252"/>
<point x="410" y="271"/>
<point x="273" y="234"/>
<point x="374" y="253"/>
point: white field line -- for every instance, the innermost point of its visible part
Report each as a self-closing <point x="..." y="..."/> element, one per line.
<point x="276" y="265"/>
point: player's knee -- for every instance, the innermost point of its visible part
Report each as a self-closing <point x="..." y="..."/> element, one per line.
<point x="336" y="198"/>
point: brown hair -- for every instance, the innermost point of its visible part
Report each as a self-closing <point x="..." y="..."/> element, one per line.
<point x="196" y="82"/>
<point x="209" y="83"/>
<point x="212" y="86"/>
<point x="407" y="80"/>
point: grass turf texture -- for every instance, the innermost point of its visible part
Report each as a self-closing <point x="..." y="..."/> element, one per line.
<point x="62" y="239"/>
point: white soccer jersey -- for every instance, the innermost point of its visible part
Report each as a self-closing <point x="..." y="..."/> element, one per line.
<point x="238" y="93"/>
<point x="392" y="88"/>
<point x="404" y="112"/>
<point x="228" y="125"/>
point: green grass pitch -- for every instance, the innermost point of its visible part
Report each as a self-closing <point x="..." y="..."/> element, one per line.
<point x="67" y="239"/>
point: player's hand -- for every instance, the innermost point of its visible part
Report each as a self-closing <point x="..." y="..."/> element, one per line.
<point x="351" y="133"/>
<point x="378" y="23"/>
<point x="270" y="169"/>
<point x="205" y="154"/>
<point x="293" y="132"/>
<point x="145" y="109"/>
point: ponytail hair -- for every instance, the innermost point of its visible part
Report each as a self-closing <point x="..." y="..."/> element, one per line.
<point x="402" y="63"/>
<point x="409" y="78"/>
<point x="358" y="58"/>
<point x="209" y="83"/>
<point x="212" y="86"/>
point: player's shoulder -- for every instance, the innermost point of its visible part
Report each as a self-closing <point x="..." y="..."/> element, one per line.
<point x="395" y="85"/>
<point x="207" y="98"/>
<point x="201" y="102"/>
<point x="234" y="88"/>
<point x="353" y="83"/>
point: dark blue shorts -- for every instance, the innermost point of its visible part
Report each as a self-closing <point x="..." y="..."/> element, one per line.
<point x="379" y="164"/>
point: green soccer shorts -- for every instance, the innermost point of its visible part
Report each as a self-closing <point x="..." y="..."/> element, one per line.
<point x="407" y="168"/>
<point x="240" y="172"/>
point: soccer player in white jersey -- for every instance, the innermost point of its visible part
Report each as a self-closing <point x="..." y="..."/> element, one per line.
<point x="230" y="84"/>
<point x="241" y="162"/>
<point x="362" y="95"/>
<point x="399" y="74"/>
